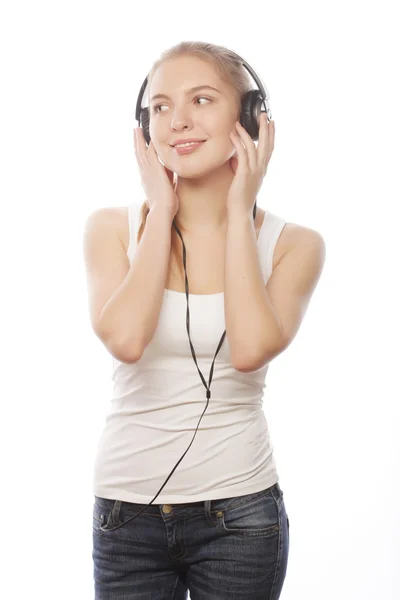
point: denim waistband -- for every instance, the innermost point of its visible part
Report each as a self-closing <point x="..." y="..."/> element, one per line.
<point x="189" y="507"/>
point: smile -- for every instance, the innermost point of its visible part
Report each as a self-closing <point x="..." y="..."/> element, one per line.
<point x="188" y="148"/>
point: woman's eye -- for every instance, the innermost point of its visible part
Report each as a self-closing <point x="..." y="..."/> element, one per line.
<point x="155" y="108"/>
<point x="203" y="98"/>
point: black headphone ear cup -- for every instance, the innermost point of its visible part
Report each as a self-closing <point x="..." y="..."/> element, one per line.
<point x="249" y="101"/>
<point x="145" y="123"/>
<point x="252" y="103"/>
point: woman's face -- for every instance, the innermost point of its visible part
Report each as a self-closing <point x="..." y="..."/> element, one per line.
<point x="204" y="114"/>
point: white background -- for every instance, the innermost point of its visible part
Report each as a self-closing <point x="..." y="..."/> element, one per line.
<point x="70" y="75"/>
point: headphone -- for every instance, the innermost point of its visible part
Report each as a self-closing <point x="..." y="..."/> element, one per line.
<point x="250" y="111"/>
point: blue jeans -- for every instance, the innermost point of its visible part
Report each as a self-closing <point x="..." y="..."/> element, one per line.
<point x="216" y="549"/>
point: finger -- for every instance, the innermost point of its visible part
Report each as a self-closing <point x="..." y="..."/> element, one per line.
<point x="241" y="152"/>
<point x="271" y="138"/>
<point x="170" y="175"/>
<point x="138" y="151"/>
<point x="249" y="145"/>
<point x="151" y="154"/>
<point x="142" y="147"/>
<point x="263" y="141"/>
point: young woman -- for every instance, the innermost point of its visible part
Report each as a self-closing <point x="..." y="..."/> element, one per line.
<point x="219" y="528"/>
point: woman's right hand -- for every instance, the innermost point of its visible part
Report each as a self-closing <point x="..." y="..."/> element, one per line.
<point x="157" y="180"/>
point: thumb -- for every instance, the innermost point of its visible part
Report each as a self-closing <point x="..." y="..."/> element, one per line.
<point x="170" y="175"/>
<point x="233" y="163"/>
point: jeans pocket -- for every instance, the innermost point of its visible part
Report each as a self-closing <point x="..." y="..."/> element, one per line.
<point x="259" y="518"/>
<point x="102" y="509"/>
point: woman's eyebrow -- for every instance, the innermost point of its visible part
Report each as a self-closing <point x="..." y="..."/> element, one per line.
<point x="189" y="91"/>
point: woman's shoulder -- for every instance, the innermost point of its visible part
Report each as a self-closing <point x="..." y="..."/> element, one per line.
<point x="120" y="216"/>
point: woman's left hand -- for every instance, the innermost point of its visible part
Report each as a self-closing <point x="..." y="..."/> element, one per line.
<point x="249" y="165"/>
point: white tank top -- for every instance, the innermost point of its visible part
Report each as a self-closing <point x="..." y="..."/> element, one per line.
<point x="157" y="403"/>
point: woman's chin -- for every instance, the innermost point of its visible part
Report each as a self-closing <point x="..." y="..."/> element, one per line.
<point x="200" y="168"/>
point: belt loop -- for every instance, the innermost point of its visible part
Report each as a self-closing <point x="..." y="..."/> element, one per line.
<point x="278" y="487"/>
<point x="207" y="511"/>
<point x="114" y="517"/>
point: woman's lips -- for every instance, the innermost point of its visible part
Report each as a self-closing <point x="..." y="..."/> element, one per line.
<point x="188" y="149"/>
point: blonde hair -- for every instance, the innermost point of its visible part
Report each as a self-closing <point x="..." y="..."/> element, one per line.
<point x="230" y="68"/>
